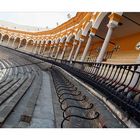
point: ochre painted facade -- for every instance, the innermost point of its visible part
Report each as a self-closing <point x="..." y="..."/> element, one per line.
<point x="77" y="30"/>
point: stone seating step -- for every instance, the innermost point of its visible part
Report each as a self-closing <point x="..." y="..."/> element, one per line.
<point x="11" y="103"/>
<point x="6" y="71"/>
<point x="8" y="66"/>
<point x="28" y="113"/>
<point x="20" y="69"/>
<point x="3" y="71"/>
<point x="7" y="85"/>
<point x="14" y="65"/>
<point x="12" y="90"/>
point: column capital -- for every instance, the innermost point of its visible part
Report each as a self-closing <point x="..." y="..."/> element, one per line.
<point x="54" y="44"/>
<point x="111" y="25"/>
<point x="82" y="37"/>
<point x="93" y="31"/>
<point x="115" y="17"/>
<point x="57" y="44"/>
<point x="69" y="43"/>
<point x="51" y="45"/>
<point x="91" y="35"/>
<point x="61" y="44"/>
<point x="75" y="42"/>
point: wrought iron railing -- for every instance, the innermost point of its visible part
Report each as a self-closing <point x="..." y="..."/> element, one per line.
<point x="75" y="106"/>
<point x="119" y="83"/>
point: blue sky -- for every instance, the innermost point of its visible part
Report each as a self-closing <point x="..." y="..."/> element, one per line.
<point x="37" y="19"/>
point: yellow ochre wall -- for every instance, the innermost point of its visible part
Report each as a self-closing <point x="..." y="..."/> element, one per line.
<point x="127" y="52"/>
<point x="127" y="48"/>
<point x="126" y="43"/>
<point x="129" y="42"/>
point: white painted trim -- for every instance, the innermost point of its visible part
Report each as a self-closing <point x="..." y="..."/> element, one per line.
<point x="87" y="28"/>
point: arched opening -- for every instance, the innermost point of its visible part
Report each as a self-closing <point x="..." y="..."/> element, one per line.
<point x="43" y="47"/>
<point x="38" y="47"/>
<point x="16" y="43"/>
<point x="62" y="44"/>
<point x="23" y="43"/>
<point x="47" y="47"/>
<point x="1" y="38"/>
<point x="34" y="46"/>
<point x="29" y="45"/>
<point x="101" y="25"/>
<point x="69" y="40"/>
<point x="83" y="44"/>
<point x="77" y="38"/>
<point x="11" y="41"/>
<point x="57" y="48"/>
<point x="5" y="40"/>
<point x="87" y="28"/>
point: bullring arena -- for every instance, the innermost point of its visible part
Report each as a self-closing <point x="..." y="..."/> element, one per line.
<point x="84" y="73"/>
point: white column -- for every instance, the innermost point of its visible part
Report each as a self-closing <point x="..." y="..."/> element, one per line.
<point x="41" y="46"/>
<point x="71" y="52"/>
<point x="1" y="40"/>
<point x="86" y="48"/>
<point x="57" y="52"/>
<point x="44" y="49"/>
<point x="13" y="43"/>
<point x="77" y="50"/>
<point x="49" y="52"/>
<point x="34" y="47"/>
<point x="63" y="52"/>
<point x="25" y="46"/>
<point x="52" y="51"/>
<point x="39" y="51"/>
<point x="35" y="50"/>
<point x="38" y="48"/>
<point x="19" y="44"/>
<point x="8" y="42"/>
<point x="111" y="26"/>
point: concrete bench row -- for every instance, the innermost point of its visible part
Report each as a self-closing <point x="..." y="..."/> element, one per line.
<point x="14" y="84"/>
<point x="20" y="74"/>
<point x="10" y="104"/>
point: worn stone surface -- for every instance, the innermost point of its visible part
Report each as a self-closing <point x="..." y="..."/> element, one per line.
<point x="57" y="110"/>
<point x="44" y="114"/>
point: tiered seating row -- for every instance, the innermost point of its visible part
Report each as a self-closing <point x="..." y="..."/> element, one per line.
<point x="16" y="78"/>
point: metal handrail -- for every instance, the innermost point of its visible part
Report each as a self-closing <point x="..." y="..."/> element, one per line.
<point x="119" y="82"/>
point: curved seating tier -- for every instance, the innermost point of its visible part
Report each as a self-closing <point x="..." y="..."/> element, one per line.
<point x="17" y="76"/>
